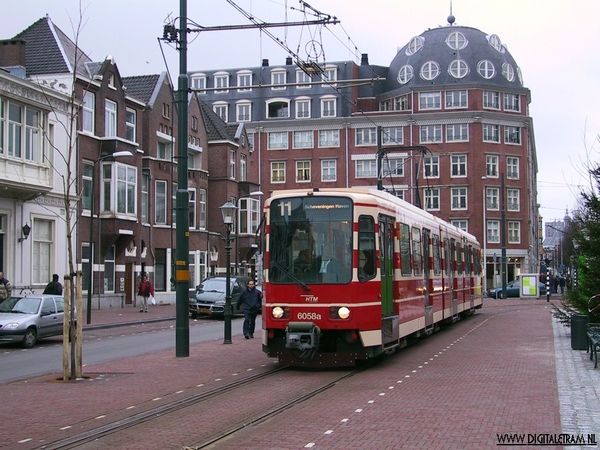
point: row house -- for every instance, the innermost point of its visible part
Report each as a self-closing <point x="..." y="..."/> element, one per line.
<point x="34" y="120"/>
<point x="127" y="156"/>
<point x="450" y="113"/>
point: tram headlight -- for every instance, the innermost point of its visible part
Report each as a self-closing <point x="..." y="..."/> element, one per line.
<point x="277" y="312"/>
<point x="343" y="312"/>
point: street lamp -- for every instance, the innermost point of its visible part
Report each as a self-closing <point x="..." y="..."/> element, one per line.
<point x="484" y="227"/>
<point x="91" y="259"/>
<point x="228" y="212"/>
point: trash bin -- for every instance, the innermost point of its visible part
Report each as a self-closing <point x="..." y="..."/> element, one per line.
<point x="578" y="332"/>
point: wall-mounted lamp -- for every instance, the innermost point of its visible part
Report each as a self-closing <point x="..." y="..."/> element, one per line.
<point x="26" y="229"/>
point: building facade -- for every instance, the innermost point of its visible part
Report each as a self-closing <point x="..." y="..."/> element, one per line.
<point x="34" y="120"/>
<point x="449" y="116"/>
<point x="126" y="172"/>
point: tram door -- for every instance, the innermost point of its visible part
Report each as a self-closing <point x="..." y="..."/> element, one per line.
<point x="386" y="259"/>
<point x="426" y="278"/>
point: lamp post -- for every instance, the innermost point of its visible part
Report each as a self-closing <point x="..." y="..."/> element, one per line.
<point x="228" y="212"/>
<point x="484" y="227"/>
<point x="91" y="258"/>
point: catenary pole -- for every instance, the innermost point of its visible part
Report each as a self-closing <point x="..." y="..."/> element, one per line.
<point x="182" y="272"/>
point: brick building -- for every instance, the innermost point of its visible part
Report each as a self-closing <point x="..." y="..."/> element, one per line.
<point x="453" y="115"/>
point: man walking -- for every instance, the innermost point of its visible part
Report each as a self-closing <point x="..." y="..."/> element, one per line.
<point x="145" y="290"/>
<point x="251" y="302"/>
<point x="5" y="288"/>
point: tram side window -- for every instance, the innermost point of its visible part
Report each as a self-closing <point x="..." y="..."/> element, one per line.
<point x="477" y="262"/>
<point x="405" y="265"/>
<point x="447" y="257"/>
<point x="437" y="263"/>
<point x="459" y="259"/>
<point x="366" y="248"/>
<point x="417" y="252"/>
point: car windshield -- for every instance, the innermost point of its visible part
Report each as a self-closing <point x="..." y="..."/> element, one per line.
<point x="213" y="285"/>
<point x="25" y="305"/>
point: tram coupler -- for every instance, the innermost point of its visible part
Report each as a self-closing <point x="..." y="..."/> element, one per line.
<point x="302" y="335"/>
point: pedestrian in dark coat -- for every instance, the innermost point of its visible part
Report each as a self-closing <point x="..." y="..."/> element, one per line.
<point x="54" y="287"/>
<point x="250" y="302"/>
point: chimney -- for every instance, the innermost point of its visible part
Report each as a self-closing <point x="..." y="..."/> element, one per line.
<point x="288" y="61"/>
<point x="12" y="52"/>
<point x="364" y="59"/>
<point x="265" y="63"/>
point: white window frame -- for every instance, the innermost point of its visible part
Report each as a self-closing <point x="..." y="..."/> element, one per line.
<point x="512" y="102"/>
<point x="457" y="132"/>
<point x="492" y="196"/>
<point x="43" y="249"/>
<point x="199" y="83"/>
<point x="457" y="99"/>
<point x="278" y="172"/>
<point x="304" y="78"/>
<point x="221" y="109"/>
<point x="431" y="166"/>
<point x="328" y="107"/>
<point x="512" y="167"/>
<point x="160" y="202"/>
<point x="244" y="81"/>
<point x="458" y="166"/>
<point x="366" y="136"/>
<point x="110" y="118"/>
<point x="277" y="140"/>
<point x="430" y="133"/>
<point x="430" y="100"/>
<point x="278" y="79"/>
<point x="284" y="106"/>
<point x="192" y="208"/>
<point x="202" y="209"/>
<point x="462" y="224"/>
<point x="328" y="170"/>
<point x="493" y="231"/>
<point x="513" y="230"/>
<point x="303" y="139"/>
<point x="243" y="111"/>
<point x="303" y="171"/>
<point x="512" y="135"/>
<point x="459" y="199"/>
<point x="221" y="82"/>
<point x="491" y="100"/>
<point x="392" y="136"/>
<point x="302" y="108"/>
<point x="131" y="124"/>
<point x="513" y="200"/>
<point x="89" y="112"/>
<point x="329" y="138"/>
<point x="491" y="133"/>
<point x="431" y="199"/>
<point x="365" y="168"/>
<point x="491" y="166"/>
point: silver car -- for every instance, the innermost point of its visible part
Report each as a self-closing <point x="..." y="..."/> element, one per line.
<point x="27" y="319"/>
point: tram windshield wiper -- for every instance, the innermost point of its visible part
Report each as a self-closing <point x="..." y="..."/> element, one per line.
<point x="291" y="275"/>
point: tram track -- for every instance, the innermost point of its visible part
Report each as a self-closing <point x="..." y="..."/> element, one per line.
<point x="152" y="413"/>
<point x="206" y="400"/>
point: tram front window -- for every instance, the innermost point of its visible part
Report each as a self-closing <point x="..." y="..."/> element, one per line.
<point x="310" y="240"/>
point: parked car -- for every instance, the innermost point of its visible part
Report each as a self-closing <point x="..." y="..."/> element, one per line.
<point x="209" y="297"/>
<point x="28" y="318"/>
<point x="512" y="290"/>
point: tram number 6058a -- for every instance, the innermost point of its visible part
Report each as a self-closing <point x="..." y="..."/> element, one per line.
<point x="309" y="316"/>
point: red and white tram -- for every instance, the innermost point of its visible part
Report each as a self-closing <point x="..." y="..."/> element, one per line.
<point x="355" y="273"/>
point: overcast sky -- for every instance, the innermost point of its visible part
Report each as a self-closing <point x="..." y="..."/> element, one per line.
<point x="555" y="43"/>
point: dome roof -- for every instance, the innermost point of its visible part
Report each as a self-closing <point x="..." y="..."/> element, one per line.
<point x="453" y="55"/>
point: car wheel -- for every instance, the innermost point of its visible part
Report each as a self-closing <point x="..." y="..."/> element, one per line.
<point x="30" y="338"/>
<point x="194" y="315"/>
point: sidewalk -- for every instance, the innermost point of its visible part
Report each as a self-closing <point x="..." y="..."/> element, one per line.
<point x="129" y="314"/>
